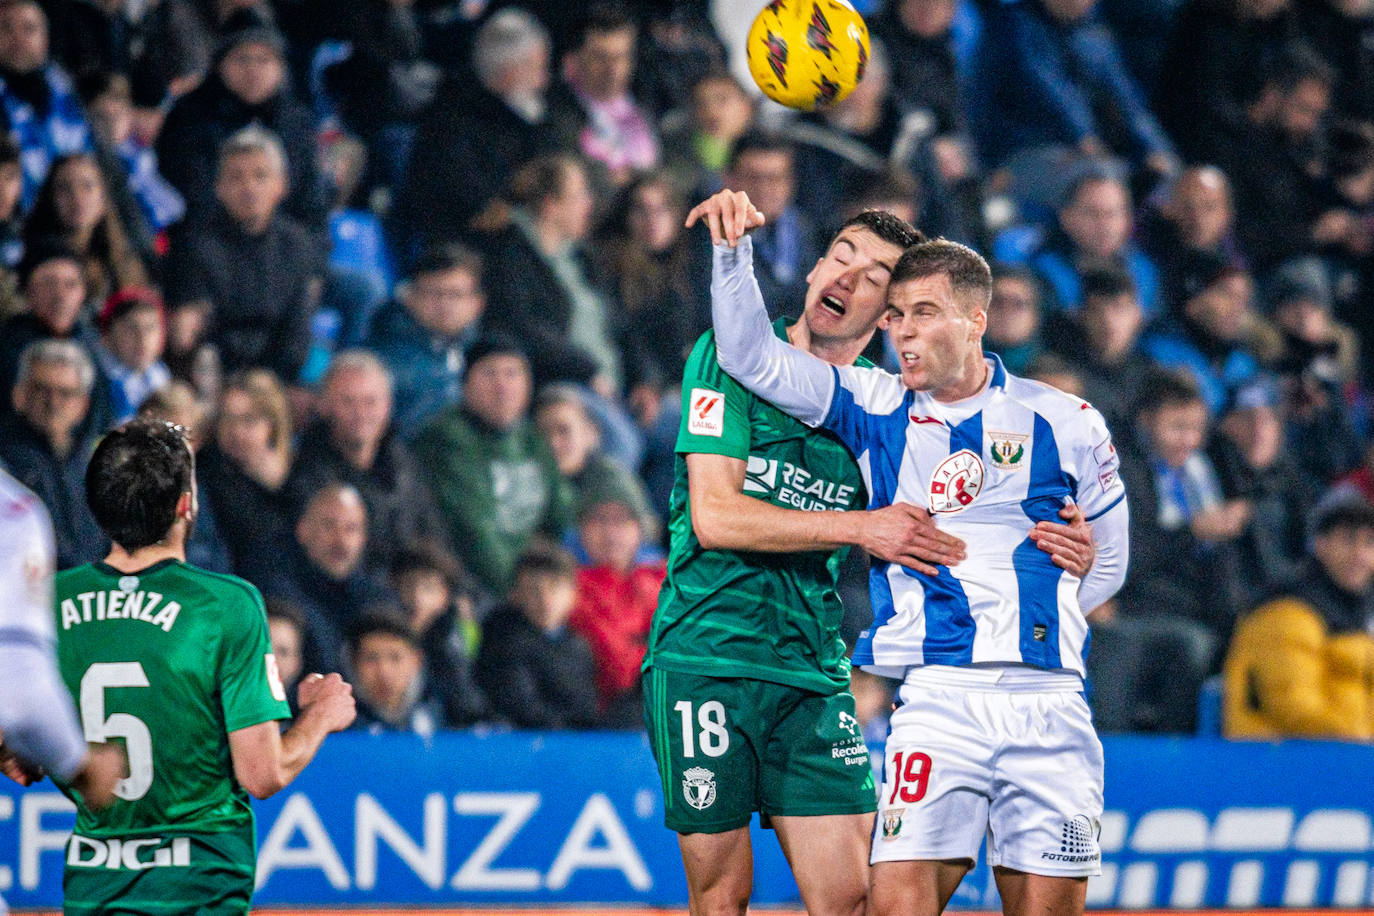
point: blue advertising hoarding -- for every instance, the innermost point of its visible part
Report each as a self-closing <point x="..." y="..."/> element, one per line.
<point x="567" y="819"/>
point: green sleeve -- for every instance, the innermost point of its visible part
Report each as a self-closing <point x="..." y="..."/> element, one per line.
<point x="249" y="686"/>
<point x="715" y="408"/>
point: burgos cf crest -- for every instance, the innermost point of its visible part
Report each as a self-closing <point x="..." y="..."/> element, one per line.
<point x="1007" y="450"/>
<point x="699" y="787"/>
<point x="892" y="823"/>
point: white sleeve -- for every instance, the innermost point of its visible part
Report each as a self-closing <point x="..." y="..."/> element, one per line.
<point x="36" y="712"/>
<point x="746" y="347"/>
<point x="1108" y="573"/>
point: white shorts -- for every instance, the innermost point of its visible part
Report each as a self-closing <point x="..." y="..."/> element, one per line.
<point x="1021" y="766"/>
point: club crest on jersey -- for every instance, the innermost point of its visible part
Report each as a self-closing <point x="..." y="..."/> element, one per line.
<point x="892" y="823"/>
<point x="956" y="482"/>
<point x="1007" y="450"/>
<point x="699" y="787"/>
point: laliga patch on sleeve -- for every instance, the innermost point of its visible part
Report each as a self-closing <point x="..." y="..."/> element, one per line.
<point x="274" y="678"/>
<point x="1108" y="462"/>
<point x="707" y="417"/>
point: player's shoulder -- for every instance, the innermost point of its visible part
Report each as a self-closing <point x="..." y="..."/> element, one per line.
<point x="1066" y="413"/>
<point x="229" y="593"/>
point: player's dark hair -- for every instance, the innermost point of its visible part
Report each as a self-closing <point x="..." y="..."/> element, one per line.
<point x="968" y="273"/>
<point x="1164" y="388"/>
<point x="890" y="228"/>
<point x="758" y="141"/>
<point x="1107" y="283"/>
<point x="446" y="256"/>
<point x="135" y="478"/>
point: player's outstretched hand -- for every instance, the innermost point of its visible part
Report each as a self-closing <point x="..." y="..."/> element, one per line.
<point x="330" y="697"/>
<point x="101" y="771"/>
<point x="1070" y="545"/>
<point x="21" y="772"/>
<point x="905" y="534"/>
<point x="728" y="214"/>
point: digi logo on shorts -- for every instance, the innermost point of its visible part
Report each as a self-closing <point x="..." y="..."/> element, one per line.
<point x="699" y="787"/>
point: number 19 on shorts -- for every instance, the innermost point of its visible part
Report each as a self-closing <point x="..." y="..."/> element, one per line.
<point x="705" y="730"/>
<point x="910" y="776"/>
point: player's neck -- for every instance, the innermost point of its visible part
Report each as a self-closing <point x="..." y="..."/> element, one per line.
<point x="132" y="561"/>
<point x="836" y="352"/>
<point x="971" y="382"/>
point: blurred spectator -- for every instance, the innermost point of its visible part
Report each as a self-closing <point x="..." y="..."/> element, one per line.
<point x="1053" y="370"/>
<point x="538" y="671"/>
<point x="11" y="222"/>
<point x="1193" y="222"/>
<point x="437" y="598"/>
<point x="126" y="160"/>
<point x="1094" y="231"/>
<point x="544" y="288"/>
<point x="41" y="110"/>
<point x="473" y="139"/>
<point x="1053" y="76"/>
<point x="422" y="335"/>
<point x="1350" y="178"/>
<point x="562" y="418"/>
<point x="1316" y="367"/>
<point x="1183" y="528"/>
<point x="1220" y="338"/>
<point x="248" y="279"/>
<point x="1342" y="32"/>
<point x="1271" y="159"/>
<point x="697" y="142"/>
<point x="74" y="205"/>
<point x="248" y="86"/>
<point x="177" y="403"/>
<point x="1218" y="52"/>
<point x="46" y="442"/>
<point x="385" y="81"/>
<point x="324" y="572"/>
<point x="132" y="334"/>
<point x="494" y="477"/>
<point x="648" y="254"/>
<point x="54" y="287"/>
<point x="388" y="665"/>
<point x="353" y="442"/>
<point x="677" y="46"/>
<point x="919" y="36"/>
<point x="1014" y="317"/>
<point x="286" y="629"/>
<point x="1107" y="350"/>
<point x="1253" y="464"/>
<point x="619" y="135"/>
<point x="786" y="247"/>
<point x="616" y="598"/>
<point x="1301" y="665"/>
<point x="244" y="470"/>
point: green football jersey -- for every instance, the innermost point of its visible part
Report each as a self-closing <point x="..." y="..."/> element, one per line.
<point x="768" y="616"/>
<point x="167" y="662"/>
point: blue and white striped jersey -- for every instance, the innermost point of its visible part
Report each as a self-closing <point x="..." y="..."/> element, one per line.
<point x="987" y="469"/>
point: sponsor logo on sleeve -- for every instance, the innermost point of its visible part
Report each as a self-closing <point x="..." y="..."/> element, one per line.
<point x="707" y="417"/>
<point x="1108" y="463"/>
<point x="274" y="678"/>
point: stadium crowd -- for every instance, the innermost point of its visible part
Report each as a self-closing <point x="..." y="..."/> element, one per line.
<point x="413" y="273"/>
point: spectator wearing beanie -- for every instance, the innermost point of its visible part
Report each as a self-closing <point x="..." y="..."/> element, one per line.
<point x="493" y="475"/>
<point x="133" y="332"/>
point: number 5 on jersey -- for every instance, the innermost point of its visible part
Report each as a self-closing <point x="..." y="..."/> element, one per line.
<point x="910" y="776"/>
<point x="710" y="716"/>
<point x="99" y="729"/>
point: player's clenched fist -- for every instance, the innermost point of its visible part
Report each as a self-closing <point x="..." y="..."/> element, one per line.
<point x="330" y="697"/>
<point x="728" y="214"/>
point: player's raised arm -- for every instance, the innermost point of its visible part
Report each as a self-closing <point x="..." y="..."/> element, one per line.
<point x="266" y="761"/>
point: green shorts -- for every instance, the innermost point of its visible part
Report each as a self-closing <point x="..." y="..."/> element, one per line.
<point x="727" y="747"/>
<point x="207" y="873"/>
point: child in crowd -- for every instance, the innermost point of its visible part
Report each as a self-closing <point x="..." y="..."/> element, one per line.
<point x="388" y="665"/>
<point x="286" y="629"/>
<point x="132" y="336"/>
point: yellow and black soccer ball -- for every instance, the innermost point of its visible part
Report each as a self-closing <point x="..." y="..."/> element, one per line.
<point x="807" y="54"/>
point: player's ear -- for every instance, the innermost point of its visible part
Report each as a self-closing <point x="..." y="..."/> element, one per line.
<point x="814" y="268"/>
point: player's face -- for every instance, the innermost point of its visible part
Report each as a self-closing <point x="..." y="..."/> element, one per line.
<point x="847" y="289"/>
<point x="1176" y="431"/>
<point x="386" y="666"/>
<point x="937" y="336"/>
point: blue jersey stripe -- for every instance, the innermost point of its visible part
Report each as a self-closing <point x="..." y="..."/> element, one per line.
<point x="886" y="450"/>
<point x="1037" y="578"/>
<point x="1095" y="516"/>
